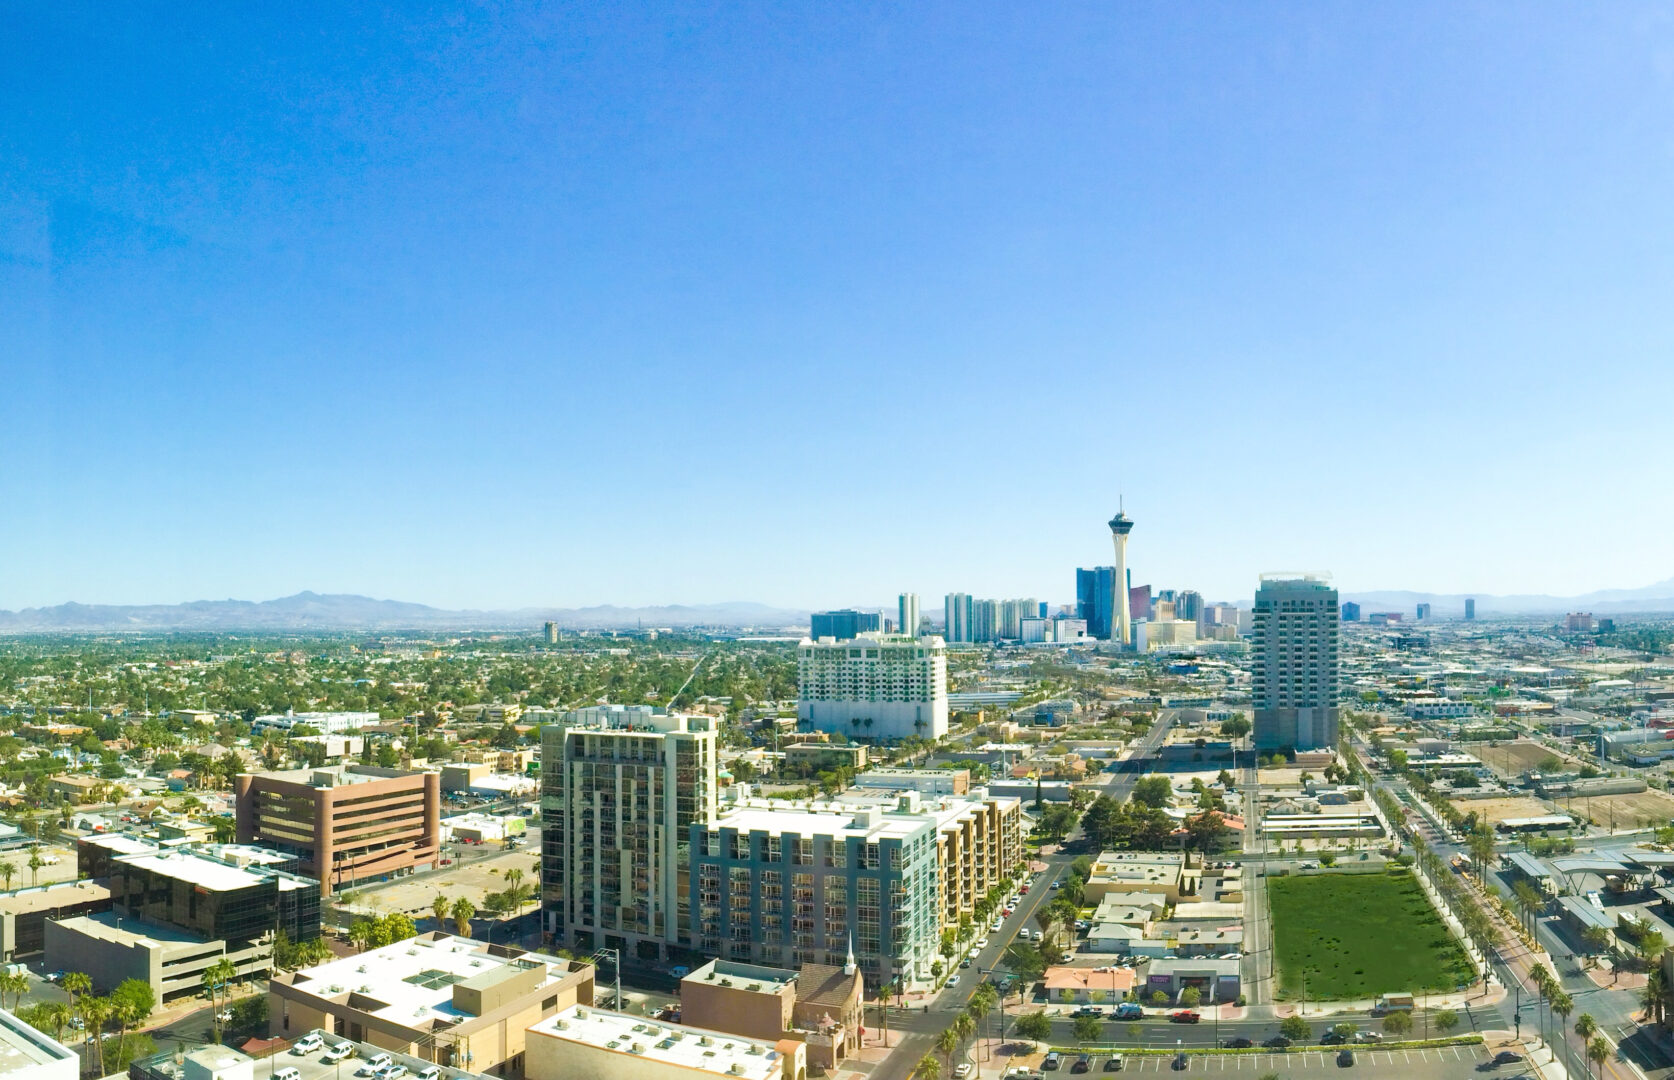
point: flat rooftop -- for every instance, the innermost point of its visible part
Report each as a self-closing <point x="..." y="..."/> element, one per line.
<point x="754" y="977"/>
<point x="779" y="818"/>
<point x="672" y="1044"/>
<point x="119" y="844"/>
<point x="23" y="1047"/>
<point x="48" y="897"/>
<point x="129" y="931"/>
<point x="193" y="869"/>
<point x="329" y="776"/>
<point x="411" y="982"/>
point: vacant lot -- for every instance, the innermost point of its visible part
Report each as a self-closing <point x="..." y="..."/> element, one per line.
<point x="1497" y="810"/>
<point x="1517" y="758"/>
<point x="1356" y="936"/>
<point x="1640" y="810"/>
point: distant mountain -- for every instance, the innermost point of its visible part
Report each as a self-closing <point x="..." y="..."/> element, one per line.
<point x="1658" y="598"/>
<point x="313" y="611"/>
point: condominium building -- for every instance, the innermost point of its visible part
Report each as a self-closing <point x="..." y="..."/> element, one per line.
<point x="621" y="787"/>
<point x="446" y="999"/>
<point x="344" y="823"/>
<point x="1294" y="672"/>
<point x="1094" y="588"/>
<point x="878" y="686"/>
<point x="907" y="614"/>
<point x="956" y="612"/>
<point x="843" y="624"/>
<point x="778" y="884"/>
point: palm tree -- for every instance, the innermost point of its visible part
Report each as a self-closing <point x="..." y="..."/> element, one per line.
<point x="885" y="993"/>
<point x="94" y="1011"/>
<point x="1598" y="1051"/>
<point x="8" y="870"/>
<point x="1585" y="1027"/>
<point x="1655" y="996"/>
<point x="947" y="1042"/>
<point x="1542" y="979"/>
<point x="927" y="1067"/>
<point x="360" y="935"/>
<point x="439" y="907"/>
<point x="35" y="864"/>
<point x="51" y="1014"/>
<point x="462" y="911"/>
<point x="76" y="982"/>
<point x="1561" y="1006"/>
<point x="217" y="981"/>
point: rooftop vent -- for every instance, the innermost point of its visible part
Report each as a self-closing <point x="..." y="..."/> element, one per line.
<point x="637" y="1048"/>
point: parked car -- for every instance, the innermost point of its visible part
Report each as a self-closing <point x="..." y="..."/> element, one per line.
<point x="392" y="1072"/>
<point x="952" y="981"/>
<point x="1128" y="1010"/>
<point x="308" y="1043"/>
<point x="340" y="1052"/>
<point x="1277" y="1042"/>
<point x="1240" y="1043"/>
<point x="429" y="1072"/>
<point x="962" y="1070"/>
<point x="1114" y="1063"/>
<point x="1052" y="1061"/>
<point x="1184" y="1016"/>
<point x="1332" y="1038"/>
<point x="373" y="1064"/>
<point x="1345" y="1058"/>
<point x="1179" y="1062"/>
<point x="1506" y="1057"/>
<point x="1082" y="1064"/>
<point x="289" y="1072"/>
<point x="1086" y="1010"/>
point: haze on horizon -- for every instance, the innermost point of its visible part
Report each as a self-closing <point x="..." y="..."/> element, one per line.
<point x="648" y="305"/>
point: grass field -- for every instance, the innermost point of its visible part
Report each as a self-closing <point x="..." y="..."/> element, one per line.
<point x="1357" y="936"/>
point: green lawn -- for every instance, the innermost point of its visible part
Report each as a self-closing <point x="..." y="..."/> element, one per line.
<point x="1359" y="936"/>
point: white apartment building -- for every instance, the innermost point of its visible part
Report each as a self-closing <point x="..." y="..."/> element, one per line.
<point x="621" y="786"/>
<point x="877" y="686"/>
<point x="1294" y="670"/>
<point x="325" y="723"/>
<point x="907" y="611"/>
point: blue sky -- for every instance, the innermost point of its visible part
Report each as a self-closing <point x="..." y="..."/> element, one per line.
<point x="808" y="304"/>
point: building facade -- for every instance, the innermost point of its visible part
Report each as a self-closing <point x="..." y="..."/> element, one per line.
<point x="1294" y="673"/>
<point x="1094" y="588"/>
<point x="842" y="625"/>
<point x="779" y="885"/>
<point x="621" y="788"/>
<point x="880" y="686"/>
<point x="344" y="823"/>
<point x="906" y="609"/>
<point x="956" y="618"/>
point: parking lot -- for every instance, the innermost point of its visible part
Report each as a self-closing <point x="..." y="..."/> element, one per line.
<point x="313" y="1066"/>
<point x="1444" y="1063"/>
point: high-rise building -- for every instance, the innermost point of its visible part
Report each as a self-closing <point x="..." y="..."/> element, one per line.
<point x="1351" y="611"/>
<point x="843" y="624"/>
<point x="1293" y="684"/>
<point x="956" y="618"/>
<point x="1139" y="604"/>
<point x="344" y="823"/>
<point x="551" y="631"/>
<point x="874" y="687"/>
<point x="907" y="608"/>
<point x="1470" y="607"/>
<point x="1188" y="604"/>
<point x="985" y="620"/>
<point x="621" y="787"/>
<point x="1093" y="589"/>
<point x="778" y="884"/>
<point x="1423" y="612"/>
<point x="1121" y="627"/>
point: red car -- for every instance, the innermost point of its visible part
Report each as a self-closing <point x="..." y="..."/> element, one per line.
<point x="1184" y="1016"/>
<point x="1024" y="890"/>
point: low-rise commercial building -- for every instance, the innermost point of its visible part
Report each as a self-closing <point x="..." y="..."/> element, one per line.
<point x="1163" y="873"/>
<point x="25" y="913"/>
<point x="446" y="999"/>
<point x="820" y="756"/>
<point x="323" y="723"/>
<point x="923" y="781"/>
<point x="345" y="823"/>
<point x="581" y="1043"/>
<point x="819" y="1005"/>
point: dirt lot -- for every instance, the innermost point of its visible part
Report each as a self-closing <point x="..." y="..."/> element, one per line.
<point x="1497" y="810"/>
<point x="413" y="895"/>
<point x="1653" y="808"/>
<point x="1515" y="758"/>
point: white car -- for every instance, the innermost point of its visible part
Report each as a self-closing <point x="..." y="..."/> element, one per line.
<point x="962" y="1070"/>
<point x="429" y="1072"/>
<point x="374" y="1065"/>
<point x="340" y="1052"/>
<point x="952" y="981"/>
<point x="982" y="943"/>
<point x="974" y="953"/>
<point x="392" y="1072"/>
<point x="308" y="1043"/>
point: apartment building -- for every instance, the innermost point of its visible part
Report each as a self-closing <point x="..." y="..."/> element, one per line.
<point x="621" y="788"/>
<point x="344" y="823"/>
<point x="1294" y="669"/>
<point x="876" y="686"/>
<point x="781" y="885"/>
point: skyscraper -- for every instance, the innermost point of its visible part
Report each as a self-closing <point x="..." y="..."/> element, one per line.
<point x="1470" y="607"/>
<point x="842" y="624"/>
<point x="1351" y="611"/>
<point x="1093" y="589"/>
<point x="879" y="686"/>
<point x="621" y="787"/>
<point x="1293" y="679"/>
<point x="907" y="609"/>
<point x="1423" y="612"/>
<point x="1121" y="629"/>
<point x="956" y="612"/>
<point x="551" y="630"/>
<point x="1188" y="605"/>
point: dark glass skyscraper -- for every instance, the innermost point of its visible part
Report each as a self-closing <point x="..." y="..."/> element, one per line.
<point x="1093" y="590"/>
<point x="843" y="624"/>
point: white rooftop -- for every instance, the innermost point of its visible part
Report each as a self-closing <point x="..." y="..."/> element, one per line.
<point x="673" y="1044"/>
<point x="774" y="817"/>
<point x="23" y="1047"/>
<point x="195" y="870"/>
<point x="414" y="979"/>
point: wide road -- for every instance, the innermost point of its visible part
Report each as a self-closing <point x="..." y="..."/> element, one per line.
<point x="919" y="1025"/>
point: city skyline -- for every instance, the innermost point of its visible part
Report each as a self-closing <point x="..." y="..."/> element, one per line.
<point x="486" y="309"/>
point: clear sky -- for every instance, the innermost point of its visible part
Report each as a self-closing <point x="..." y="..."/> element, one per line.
<point x="809" y="304"/>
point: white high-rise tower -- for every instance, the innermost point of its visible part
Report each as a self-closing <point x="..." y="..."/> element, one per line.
<point x="1121" y="624"/>
<point x="907" y="609"/>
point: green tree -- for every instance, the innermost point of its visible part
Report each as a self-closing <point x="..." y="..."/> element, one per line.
<point x="1190" y="997"/>
<point x="1444" y="1021"/>
<point x="1087" y="1029"/>
<point x="94" y="1011"/>
<point x="1154" y="791"/>
<point x="1398" y="1023"/>
<point x="947" y="1041"/>
<point x="76" y="983"/>
<point x="217" y="984"/>
<point x="1598" y="1052"/>
<point x="1295" y="1029"/>
<point x="35" y="864"/>
<point x="8" y="870"/>
<point x="928" y="1068"/>
<point x="440" y="906"/>
<point x="132" y="1003"/>
<point x="1033" y="1026"/>
<point x="1344" y="1030"/>
<point x="397" y="926"/>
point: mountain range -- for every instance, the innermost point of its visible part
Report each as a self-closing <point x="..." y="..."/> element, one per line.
<point x="340" y="611"/>
<point x="314" y="611"/>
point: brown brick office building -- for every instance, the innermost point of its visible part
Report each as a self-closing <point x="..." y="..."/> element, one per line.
<point x="346" y="823"/>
